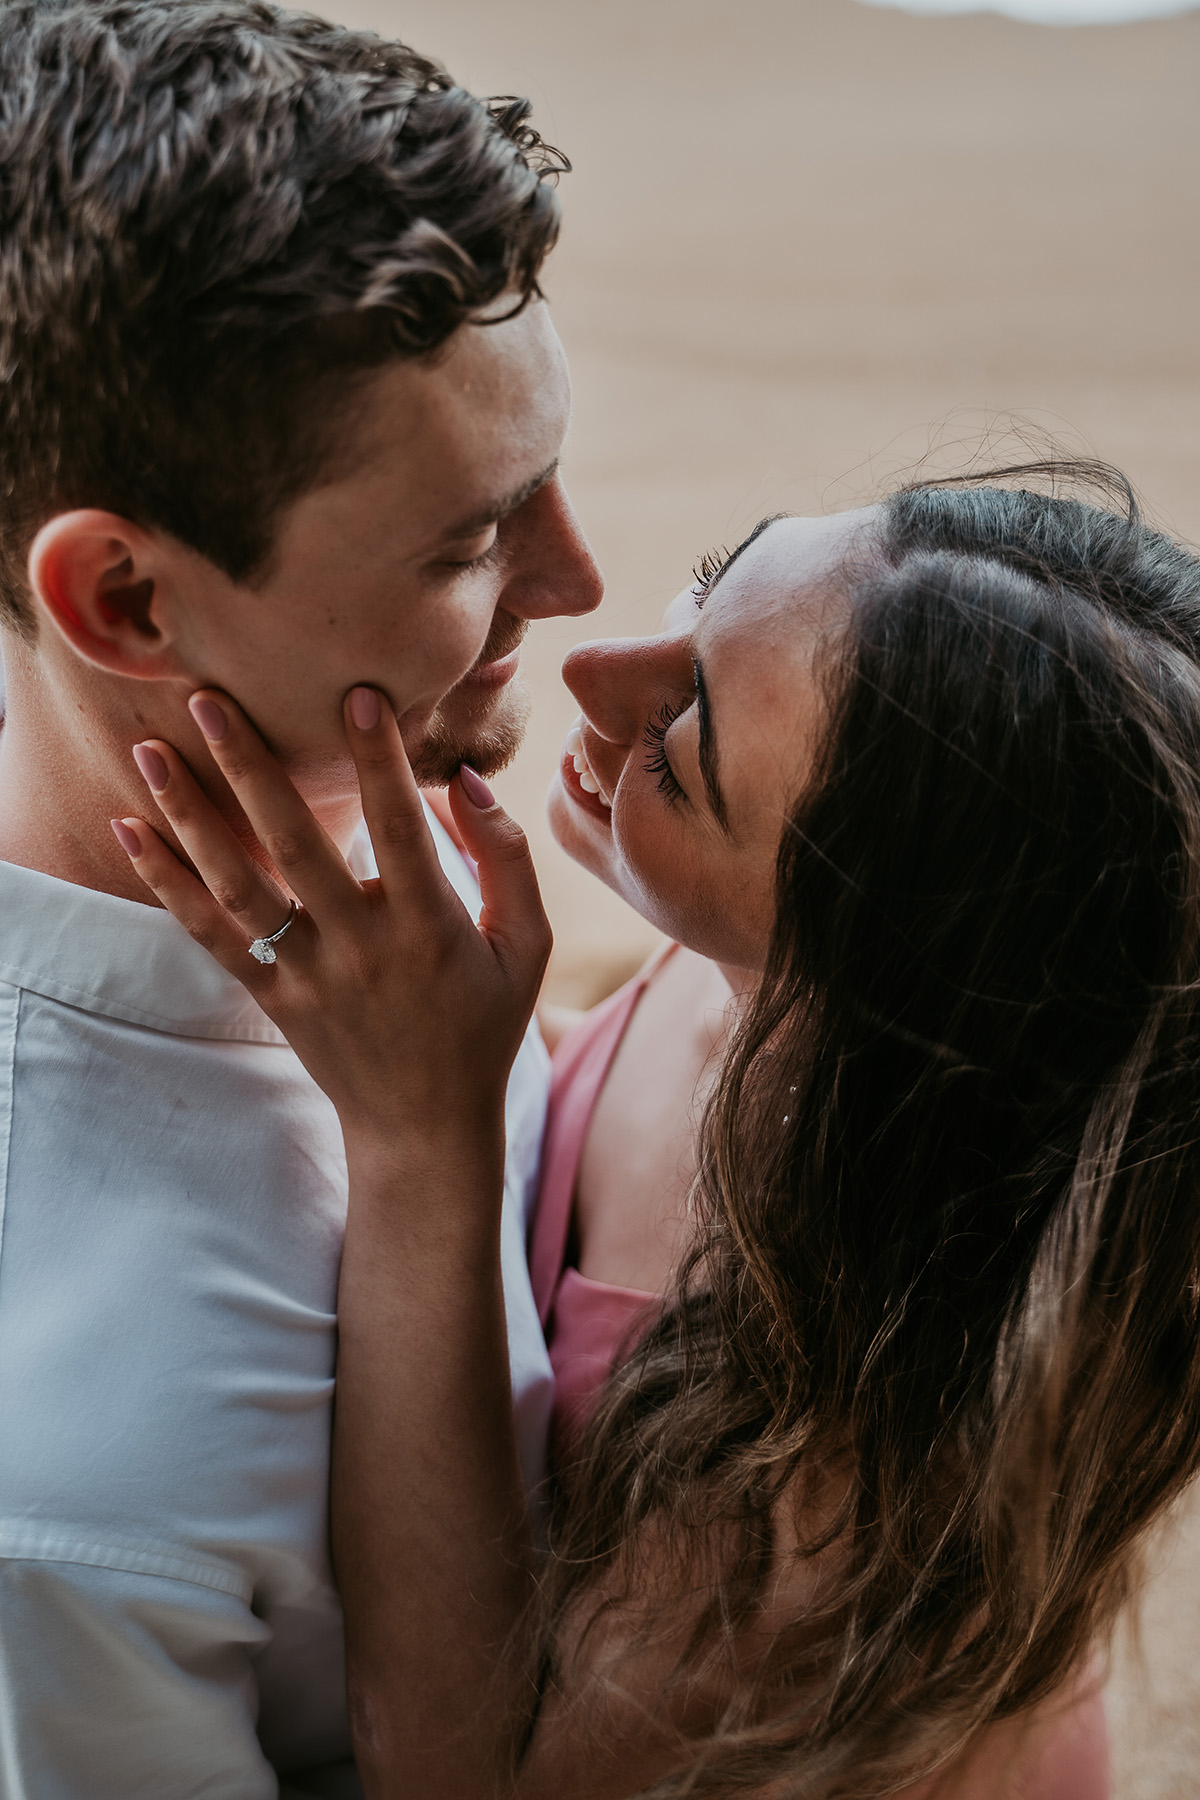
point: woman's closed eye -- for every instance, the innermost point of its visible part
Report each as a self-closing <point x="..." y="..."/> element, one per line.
<point x="654" y="736"/>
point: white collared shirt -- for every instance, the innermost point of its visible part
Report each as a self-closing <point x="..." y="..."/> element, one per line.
<point x="174" y="1196"/>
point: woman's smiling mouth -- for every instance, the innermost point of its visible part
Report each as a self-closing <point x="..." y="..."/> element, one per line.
<point x="579" y="778"/>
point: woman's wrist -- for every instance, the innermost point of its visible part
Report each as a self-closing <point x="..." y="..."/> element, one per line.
<point x="387" y="1159"/>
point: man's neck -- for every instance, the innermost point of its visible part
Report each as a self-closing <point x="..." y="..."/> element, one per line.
<point x="66" y="769"/>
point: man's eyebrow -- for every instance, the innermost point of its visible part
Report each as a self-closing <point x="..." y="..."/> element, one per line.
<point x="708" y="751"/>
<point x="771" y="519"/>
<point x="500" y="509"/>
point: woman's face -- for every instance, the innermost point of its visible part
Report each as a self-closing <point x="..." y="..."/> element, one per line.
<point x="701" y="738"/>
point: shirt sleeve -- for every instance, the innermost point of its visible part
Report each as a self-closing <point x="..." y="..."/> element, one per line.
<point x="120" y="1685"/>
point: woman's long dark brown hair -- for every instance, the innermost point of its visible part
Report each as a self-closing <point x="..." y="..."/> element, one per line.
<point x="949" y="1199"/>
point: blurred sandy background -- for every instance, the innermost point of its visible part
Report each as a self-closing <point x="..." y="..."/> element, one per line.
<point x="807" y="241"/>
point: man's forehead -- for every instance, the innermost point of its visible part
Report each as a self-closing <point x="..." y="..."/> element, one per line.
<point x="496" y="409"/>
<point x="455" y="453"/>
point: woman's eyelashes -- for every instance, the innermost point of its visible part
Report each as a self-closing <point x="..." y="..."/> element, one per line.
<point x="654" y="737"/>
<point x="707" y="570"/>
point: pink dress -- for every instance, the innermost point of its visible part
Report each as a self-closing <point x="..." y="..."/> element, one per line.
<point x="589" y="1323"/>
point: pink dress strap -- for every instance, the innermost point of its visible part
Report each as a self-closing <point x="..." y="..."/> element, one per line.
<point x="587" y="1323"/>
<point x="581" y="1063"/>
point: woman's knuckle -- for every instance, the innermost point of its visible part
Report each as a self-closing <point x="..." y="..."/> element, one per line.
<point x="288" y="849"/>
<point x="400" y="830"/>
<point x="513" y="844"/>
<point x="201" y="932"/>
<point x="375" y="756"/>
<point x="178" y="806"/>
<point x="234" y="896"/>
<point x="236" y="763"/>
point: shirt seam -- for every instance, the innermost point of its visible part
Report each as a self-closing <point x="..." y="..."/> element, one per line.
<point x="65" y="993"/>
<point x="34" y="1547"/>
<point x="6" y="1112"/>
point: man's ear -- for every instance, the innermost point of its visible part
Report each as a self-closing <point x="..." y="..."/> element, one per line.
<point x="100" y="579"/>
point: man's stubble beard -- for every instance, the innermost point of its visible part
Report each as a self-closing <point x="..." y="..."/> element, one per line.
<point x="485" y="730"/>
<point x="487" y="736"/>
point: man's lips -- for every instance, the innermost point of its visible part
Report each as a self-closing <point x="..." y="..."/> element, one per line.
<point x="493" y="674"/>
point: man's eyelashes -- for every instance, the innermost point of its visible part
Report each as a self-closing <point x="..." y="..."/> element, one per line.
<point x="484" y="560"/>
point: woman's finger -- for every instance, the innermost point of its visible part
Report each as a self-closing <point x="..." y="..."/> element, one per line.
<point x="513" y="919"/>
<point x="200" y="914"/>
<point x="404" y="849"/>
<point x="305" y="856"/>
<point x="245" y="891"/>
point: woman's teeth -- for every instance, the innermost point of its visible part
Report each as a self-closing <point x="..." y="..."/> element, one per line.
<point x="587" y="780"/>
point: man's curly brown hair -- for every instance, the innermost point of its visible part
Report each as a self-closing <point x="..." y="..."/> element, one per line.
<point x="215" y="216"/>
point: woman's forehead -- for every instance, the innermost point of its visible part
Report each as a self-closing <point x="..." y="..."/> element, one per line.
<point x="754" y="646"/>
<point x="780" y="583"/>
<point x="794" y="554"/>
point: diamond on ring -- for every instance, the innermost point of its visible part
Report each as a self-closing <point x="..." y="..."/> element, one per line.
<point x="263" y="948"/>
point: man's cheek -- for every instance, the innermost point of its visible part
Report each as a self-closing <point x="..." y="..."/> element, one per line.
<point x="413" y="726"/>
<point x="422" y="685"/>
<point x="438" y="662"/>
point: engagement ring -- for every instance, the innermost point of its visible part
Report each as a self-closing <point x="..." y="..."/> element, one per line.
<point x="263" y="948"/>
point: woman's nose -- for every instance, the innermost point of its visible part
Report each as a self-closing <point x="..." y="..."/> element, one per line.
<point x="619" y="681"/>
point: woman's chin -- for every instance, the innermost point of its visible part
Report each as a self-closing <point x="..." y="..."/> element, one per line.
<point x="585" y="834"/>
<point x="584" y="831"/>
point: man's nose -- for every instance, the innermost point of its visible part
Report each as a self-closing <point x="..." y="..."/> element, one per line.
<point x="551" y="569"/>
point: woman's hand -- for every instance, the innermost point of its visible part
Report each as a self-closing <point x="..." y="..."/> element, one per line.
<point x="405" y="1012"/>
<point x="409" y="1016"/>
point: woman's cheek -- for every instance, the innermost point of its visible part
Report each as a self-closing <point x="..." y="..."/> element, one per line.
<point x="652" y="855"/>
<point x="720" y="904"/>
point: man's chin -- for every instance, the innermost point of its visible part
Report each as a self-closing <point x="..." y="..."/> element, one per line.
<point x="486" y="734"/>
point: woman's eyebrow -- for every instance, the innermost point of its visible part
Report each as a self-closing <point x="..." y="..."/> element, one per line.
<point x="708" y="750"/>
<point x="771" y="519"/>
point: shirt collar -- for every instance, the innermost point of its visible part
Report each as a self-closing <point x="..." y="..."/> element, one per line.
<point x="127" y="961"/>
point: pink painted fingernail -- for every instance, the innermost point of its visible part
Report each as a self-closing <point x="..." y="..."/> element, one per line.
<point x="209" y="718"/>
<point x="127" y="839"/>
<point x="364" y="708"/>
<point x="475" y="787"/>
<point x="153" y="768"/>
